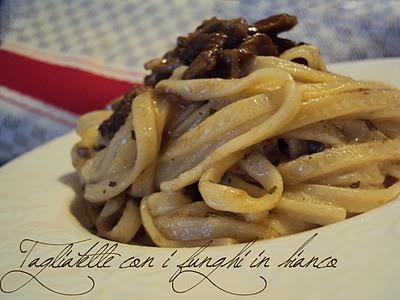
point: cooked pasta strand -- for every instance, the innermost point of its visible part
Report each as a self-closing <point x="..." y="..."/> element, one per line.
<point x="281" y="149"/>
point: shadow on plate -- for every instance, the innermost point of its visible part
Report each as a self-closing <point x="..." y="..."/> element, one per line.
<point x="79" y="211"/>
<point x="77" y="206"/>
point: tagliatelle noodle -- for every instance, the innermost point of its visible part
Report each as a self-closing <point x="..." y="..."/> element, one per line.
<point x="285" y="148"/>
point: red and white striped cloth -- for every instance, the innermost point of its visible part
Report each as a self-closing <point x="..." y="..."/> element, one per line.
<point x="42" y="94"/>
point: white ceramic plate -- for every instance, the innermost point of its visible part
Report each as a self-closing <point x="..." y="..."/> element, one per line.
<point x="360" y="256"/>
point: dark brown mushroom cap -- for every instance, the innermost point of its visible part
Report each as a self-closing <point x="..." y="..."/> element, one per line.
<point x="220" y="48"/>
<point x="217" y="48"/>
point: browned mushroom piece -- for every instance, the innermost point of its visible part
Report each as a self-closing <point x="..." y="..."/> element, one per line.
<point x="203" y="64"/>
<point x="229" y="66"/>
<point x="219" y="48"/>
<point x="121" y="112"/>
<point x="283" y="44"/>
<point x="276" y="24"/>
<point x="258" y="44"/>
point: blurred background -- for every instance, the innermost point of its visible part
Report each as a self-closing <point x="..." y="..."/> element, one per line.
<point x="59" y="59"/>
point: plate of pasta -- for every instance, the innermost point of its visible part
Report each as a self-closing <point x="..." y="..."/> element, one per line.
<point x="248" y="142"/>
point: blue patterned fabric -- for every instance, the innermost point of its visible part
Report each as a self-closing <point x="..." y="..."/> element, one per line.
<point x="127" y="33"/>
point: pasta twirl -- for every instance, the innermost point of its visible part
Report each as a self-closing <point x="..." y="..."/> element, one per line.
<point x="241" y="138"/>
